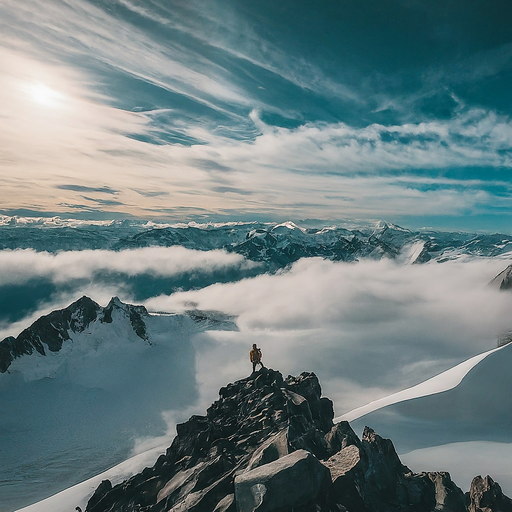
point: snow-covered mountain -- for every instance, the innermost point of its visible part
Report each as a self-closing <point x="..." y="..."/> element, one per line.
<point x="106" y="373"/>
<point x="275" y="244"/>
<point x="50" y="332"/>
<point x="80" y="385"/>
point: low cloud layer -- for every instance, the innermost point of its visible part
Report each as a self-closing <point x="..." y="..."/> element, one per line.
<point x="20" y="265"/>
<point x="365" y="328"/>
<point x="34" y="283"/>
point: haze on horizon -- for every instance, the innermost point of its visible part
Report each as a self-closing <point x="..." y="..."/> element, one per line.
<point x="232" y="110"/>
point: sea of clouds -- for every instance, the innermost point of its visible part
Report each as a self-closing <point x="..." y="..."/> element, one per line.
<point x="367" y="329"/>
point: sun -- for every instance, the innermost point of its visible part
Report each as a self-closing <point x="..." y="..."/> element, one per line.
<point x="43" y="95"/>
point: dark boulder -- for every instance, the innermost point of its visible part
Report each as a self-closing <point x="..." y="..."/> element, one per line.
<point x="297" y="479"/>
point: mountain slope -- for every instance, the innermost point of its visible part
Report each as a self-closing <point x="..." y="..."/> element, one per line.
<point x="54" y="329"/>
<point x="82" y="384"/>
<point x="438" y="384"/>
<point x="269" y="444"/>
<point x="477" y="409"/>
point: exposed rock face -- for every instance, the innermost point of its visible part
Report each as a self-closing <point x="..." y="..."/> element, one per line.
<point x="503" y="281"/>
<point x="50" y="330"/>
<point x="297" y="479"/>
<point x="367" y="475"/>
<point x="485" y="495"/>
<point x="256" y="421"/>
<point x="269" y="445"/>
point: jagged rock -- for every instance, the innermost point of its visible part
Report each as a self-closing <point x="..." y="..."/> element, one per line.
<point x="485" y="495"/>
<point x="270" y="450"/>
<point x="269" y="444"/>
<point x="255" y="421"/>
<point x="449" y="497"/>
<point x="227" y="504"/>
<point x="285" y="484"/>
<point x="367" y="475"/>
<point x="341" y="436"/>
<point x="100" y="492"/>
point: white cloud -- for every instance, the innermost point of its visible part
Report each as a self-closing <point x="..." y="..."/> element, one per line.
<point x="323" y="170"/>
<point x="369" y="327"/>
<point x="21" y="265"/>
<point x="121" y="45"/>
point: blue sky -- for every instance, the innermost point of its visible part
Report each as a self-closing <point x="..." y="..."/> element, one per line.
<point x="336" y="110"/>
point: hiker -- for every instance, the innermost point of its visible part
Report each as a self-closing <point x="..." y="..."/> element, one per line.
<point x="255" y="355"/>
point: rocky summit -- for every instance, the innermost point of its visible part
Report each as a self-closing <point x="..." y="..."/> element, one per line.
<point x="269" y="445"/>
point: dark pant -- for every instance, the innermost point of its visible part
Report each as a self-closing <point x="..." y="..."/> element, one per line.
<point x="254" y="363"/>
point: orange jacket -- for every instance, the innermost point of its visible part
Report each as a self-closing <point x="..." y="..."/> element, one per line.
<point x="255" y="355"/>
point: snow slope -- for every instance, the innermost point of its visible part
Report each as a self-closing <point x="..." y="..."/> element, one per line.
<point x="78" y="495"/>
<point x="442" y="382"/>
<point x="459" y="420"/>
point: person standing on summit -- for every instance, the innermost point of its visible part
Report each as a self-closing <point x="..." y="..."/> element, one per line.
<point x="255" y="355"/>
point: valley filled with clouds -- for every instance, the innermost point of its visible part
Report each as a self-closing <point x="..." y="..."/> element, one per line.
<point x="330" y="181"/>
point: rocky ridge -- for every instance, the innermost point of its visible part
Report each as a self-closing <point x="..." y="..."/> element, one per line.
<point x="50" y="332"/>
<point x="269" y="445"/>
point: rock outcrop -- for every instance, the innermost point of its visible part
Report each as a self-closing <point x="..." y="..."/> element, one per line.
<point x="297" y="479"/>
<point x="486" y="495"/>
<point x="269" y="445"/>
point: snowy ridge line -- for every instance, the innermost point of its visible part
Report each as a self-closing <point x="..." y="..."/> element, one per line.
<point x="56" y="221"/>
<point x="445" y="381"/>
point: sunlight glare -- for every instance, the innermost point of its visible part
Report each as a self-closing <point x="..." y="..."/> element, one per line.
<point x="43" y="95"/>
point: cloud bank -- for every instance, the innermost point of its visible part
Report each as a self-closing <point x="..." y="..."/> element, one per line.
<point x="21" y="265"/>
<point x="367" y="329"/>
<point x="35" y="283"/>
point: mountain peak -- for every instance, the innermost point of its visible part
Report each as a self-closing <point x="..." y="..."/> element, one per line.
<point x="268" y="444"/>
<point x="49" y="332"/>
<point x="288" y="225"/>
<point x="116" y="302"/>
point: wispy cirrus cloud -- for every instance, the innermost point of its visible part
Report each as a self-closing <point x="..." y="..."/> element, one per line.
<point x="167" y="158"/>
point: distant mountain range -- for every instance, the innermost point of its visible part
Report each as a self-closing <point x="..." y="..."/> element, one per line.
<point x="277" y="245"/>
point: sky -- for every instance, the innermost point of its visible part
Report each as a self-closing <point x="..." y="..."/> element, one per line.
<point x="396" y="110"/>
